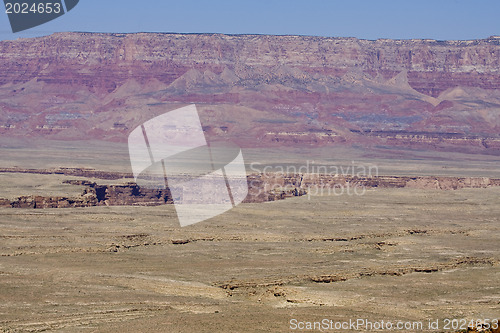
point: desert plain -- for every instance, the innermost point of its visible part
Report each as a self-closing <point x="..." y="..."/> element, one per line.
<point x="392" y="254"/>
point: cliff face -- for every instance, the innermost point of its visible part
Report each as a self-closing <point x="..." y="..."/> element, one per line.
<point x="108" y="60"/>
<point x="256" y="89"/>
<point x="261" y="188"/>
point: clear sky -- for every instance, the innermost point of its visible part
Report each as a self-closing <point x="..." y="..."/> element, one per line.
<point x="368" y="19"/>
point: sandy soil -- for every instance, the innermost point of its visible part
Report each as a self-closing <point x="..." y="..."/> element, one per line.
<point x="392" y="255"/>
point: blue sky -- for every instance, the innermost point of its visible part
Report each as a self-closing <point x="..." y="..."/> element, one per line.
<point x="368" y="19"/>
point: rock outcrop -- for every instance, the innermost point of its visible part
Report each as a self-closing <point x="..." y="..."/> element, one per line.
<point x="270" y="187"/>
<point x="123" y="195"/>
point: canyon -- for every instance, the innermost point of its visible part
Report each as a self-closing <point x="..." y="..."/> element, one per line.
<point x="262" y="187"/>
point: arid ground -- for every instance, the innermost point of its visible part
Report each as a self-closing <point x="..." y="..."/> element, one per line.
<point x="390" y="254"/>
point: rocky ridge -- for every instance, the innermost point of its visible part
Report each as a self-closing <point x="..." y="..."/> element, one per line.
<point x="257" y="90"/>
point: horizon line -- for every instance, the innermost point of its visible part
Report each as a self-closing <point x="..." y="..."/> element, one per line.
<point x="491" y="37"/>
